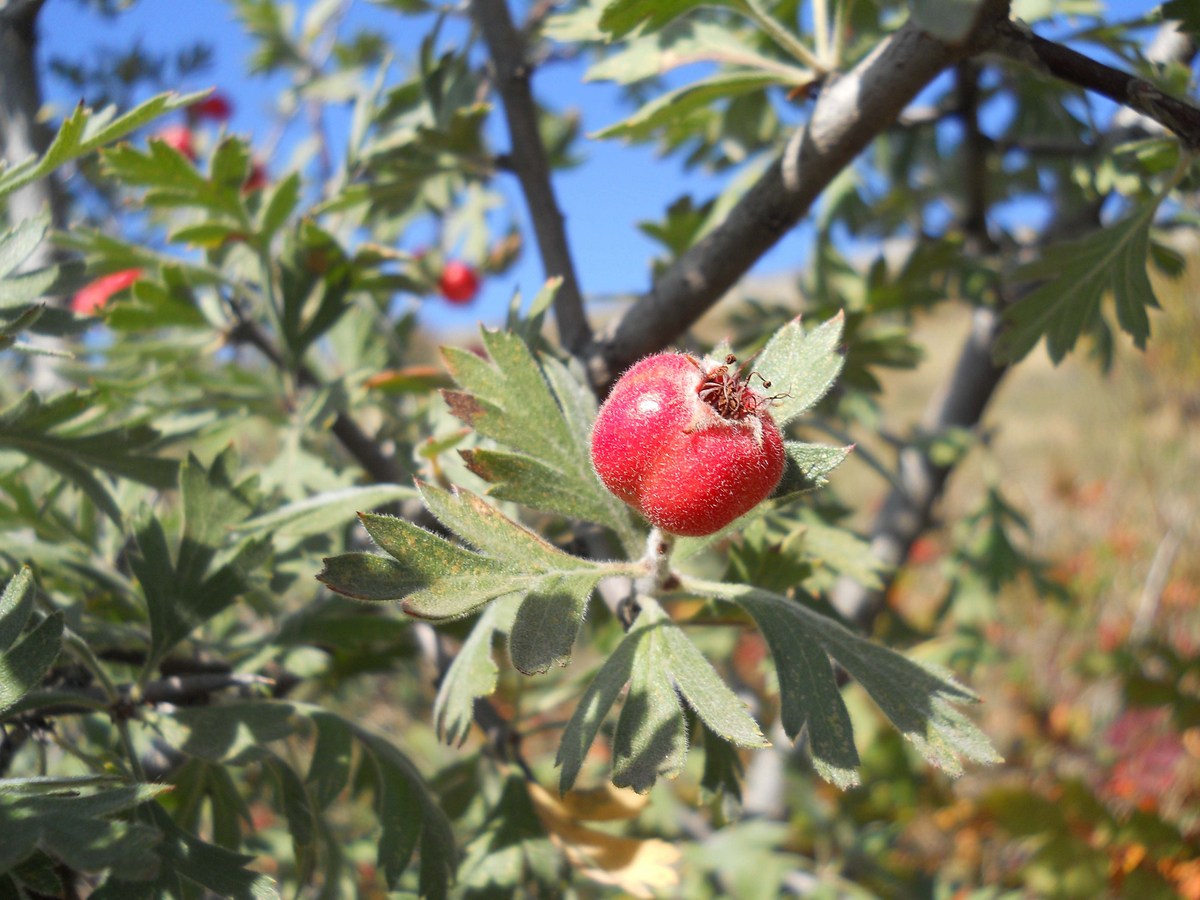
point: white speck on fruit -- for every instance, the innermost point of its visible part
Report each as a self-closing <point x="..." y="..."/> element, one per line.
<point x="648" y="405"/>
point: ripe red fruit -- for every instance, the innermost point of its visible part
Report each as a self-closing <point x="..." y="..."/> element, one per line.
<point x="94" y="295"/>
<point x="458" y="282"/>
<point x="215" y="108"/>
<point x="177" y="137"/>
<point x="688" y="444"/>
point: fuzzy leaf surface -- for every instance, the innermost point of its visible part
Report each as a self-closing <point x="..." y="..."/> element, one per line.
<point x="437" y="579"/>
<point x="473" y="672"/>
<point x="541" y="414"/>
<point x="806" y="466"/>
<point x="802" y="366"/>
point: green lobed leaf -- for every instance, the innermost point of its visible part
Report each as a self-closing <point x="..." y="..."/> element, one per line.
<point x="919" y="700"/>
<point x="597" y="700"/>
<point x="19" y="242"/>
<point x="809" y="693"/>
<point x="1074" y="278"/>
<point x="542" y="414"/>
<point x="16" y="603"/>
<point x="622" y="16"/>
<point x="294" y="800"/>
<point x="229" y="732"/>
<point x="511" y="849"/>
<point x="211" y="565"/>
<point x="408" y="811"/>
<point x="436" y="579"/>
<point x="73" y="824"/>
<point x="185" y="859"/>
<point x="490" y="531"/>
<point x="705" y="692"/>
<point x="807" y="465"/>
<point x="473" y="672"/>
<point x="329" y="770"/>
<point x="84" y="131"/>
<point x="651" y="736"/>
<point x="41" y="431"/>
<point x="686" y="43"/>
<point x="675" y="106"/>
<point x="23" y="665"/>
<point x="801" y="366"/>
<point x="172" y="180"/>
<point x="282" y="199"/>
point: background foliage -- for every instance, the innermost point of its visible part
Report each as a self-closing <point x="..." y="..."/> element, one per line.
<point x="186" y="709"/>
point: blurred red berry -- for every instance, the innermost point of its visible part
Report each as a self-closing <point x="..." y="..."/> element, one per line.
<point x="95" y="295"/>
<point x="177" y="137"/>
<point x="215" y="108"/>
<point x="458" y="283"/>
<point x="257" y="179"/>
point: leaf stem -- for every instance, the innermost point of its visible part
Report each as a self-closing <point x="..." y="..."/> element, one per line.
<point x="781" y="36"/>
<point x="657" y="560"/>
<point x="820" y="9"/>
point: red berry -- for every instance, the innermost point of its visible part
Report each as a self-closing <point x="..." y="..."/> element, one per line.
<point x="256" y="180"/>
<point x="216" y="108"/>
<point x="93" y="296"/>
<point x="688" y="444"/>
<point x="177" y="137"/>
<point x="458" y="283"/>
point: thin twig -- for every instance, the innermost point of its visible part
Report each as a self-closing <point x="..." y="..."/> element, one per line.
<point x="528" y="155"/>
<point x="1018" y="42"/>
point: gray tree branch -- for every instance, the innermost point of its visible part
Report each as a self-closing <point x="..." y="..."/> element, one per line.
<point x="849" y="113"/>
<point x="528" y="157"/>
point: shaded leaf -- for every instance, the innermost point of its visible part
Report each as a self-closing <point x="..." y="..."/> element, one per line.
<point x="473" y="673"/>
<point x="16" y="603"/>
<point x="919" y="700"/>
<point x="24" y="665"/>
<point x="84" y="131"/>
<point x="706" y="693"/>
<point x="42" y="431"/>
<point x="1074" y="278"/>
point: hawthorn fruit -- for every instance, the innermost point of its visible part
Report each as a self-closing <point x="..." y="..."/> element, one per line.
<point x="688" y="444"/>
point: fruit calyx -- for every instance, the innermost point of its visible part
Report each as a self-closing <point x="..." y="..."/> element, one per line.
<point x="727" y="390"/>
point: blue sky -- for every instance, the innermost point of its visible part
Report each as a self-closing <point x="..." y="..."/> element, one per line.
<point x="612" y="255"/>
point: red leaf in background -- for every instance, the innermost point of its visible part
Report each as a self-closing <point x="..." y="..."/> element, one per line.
<point x="95" y="295"/>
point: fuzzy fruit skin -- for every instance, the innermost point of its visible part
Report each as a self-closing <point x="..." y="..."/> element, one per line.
<point x="458" y="282"/>
<point x="673" y="457"/>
